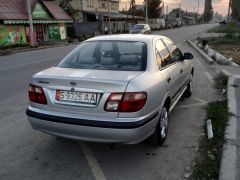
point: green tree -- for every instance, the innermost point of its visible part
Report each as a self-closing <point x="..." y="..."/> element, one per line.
<point x="137" y="12"/>
<point x="208" y="11"/>
<point x="154" y="8"/>
<point x="175" y="13"/>
<point x="65" y="4"/>
<point x="235" y="6"/>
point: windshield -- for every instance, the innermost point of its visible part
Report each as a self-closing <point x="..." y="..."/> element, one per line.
<point x="107" y="55"/>
<point x="138" y="27"/>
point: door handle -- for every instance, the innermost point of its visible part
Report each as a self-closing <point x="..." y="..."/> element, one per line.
<point x="181" y="71"/>
<point x="169" y="79"/>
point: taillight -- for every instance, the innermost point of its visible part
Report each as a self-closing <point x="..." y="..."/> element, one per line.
<point x="36" y="94"/>
<point x="126" y="102"/>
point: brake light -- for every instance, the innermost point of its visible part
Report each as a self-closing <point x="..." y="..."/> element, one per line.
<point x="126" y="102"/>
<point x="36" y="94"/>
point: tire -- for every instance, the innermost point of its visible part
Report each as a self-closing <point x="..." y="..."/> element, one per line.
<point x="189" y="89"/>
<point x="160" y="134"/>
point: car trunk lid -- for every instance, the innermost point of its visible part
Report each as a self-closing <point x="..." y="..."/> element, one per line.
<point x="97" y="84"/>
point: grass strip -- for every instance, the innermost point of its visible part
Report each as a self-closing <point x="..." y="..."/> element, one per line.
<point x="221" y="82"/>
<point x="230" y="28"/>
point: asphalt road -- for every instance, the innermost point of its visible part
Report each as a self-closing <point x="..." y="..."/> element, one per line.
<point x="29" y="154"/>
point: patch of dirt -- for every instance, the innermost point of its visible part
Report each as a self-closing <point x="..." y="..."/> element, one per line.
<point x="228" y="51"/>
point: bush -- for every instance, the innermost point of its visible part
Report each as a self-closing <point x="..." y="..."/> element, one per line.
<point x="230" y="28"/>
<point x="81" y="38"/>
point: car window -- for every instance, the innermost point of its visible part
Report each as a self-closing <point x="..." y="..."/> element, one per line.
<point x="170" y="44"/>
<point x="138" y="26"/>
<point x="177" y="55"/>
<point x="108" y="55"/>
<point x="164" y="53"/>
<point x="86" y="52"/>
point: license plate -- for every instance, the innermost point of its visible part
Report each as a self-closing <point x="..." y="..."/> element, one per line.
<point x="76" y="96"/>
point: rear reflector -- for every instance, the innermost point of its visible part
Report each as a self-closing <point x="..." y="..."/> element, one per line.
<point x="126" y="102"/>
<point x="36" y="94"/>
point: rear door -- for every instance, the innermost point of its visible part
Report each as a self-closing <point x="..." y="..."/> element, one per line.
<point x="169" y="69"/>
<point x="177" y="58"/>
<point x="184" y="69"/>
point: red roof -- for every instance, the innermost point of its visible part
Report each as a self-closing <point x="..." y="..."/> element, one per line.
<point x="17" y="10"/>
<point x="56" y="11"/>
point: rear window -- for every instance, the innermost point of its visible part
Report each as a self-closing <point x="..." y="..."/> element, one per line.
<point x="108" y="55"/>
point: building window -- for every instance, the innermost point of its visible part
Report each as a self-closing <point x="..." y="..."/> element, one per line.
<point x="103" y="4"/>
<point x="90" y="3"/>
<point x="114" y="6"/>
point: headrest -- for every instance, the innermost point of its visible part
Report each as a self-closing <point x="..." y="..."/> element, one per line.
<point x="129" y="59"/>
<point x="107" y="54"/>
<point x="108" y="60"/>
<point x="88" y="60"/>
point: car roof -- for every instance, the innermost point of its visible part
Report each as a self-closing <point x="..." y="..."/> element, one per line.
<point x="127" y="37"/>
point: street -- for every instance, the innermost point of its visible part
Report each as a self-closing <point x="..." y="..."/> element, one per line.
<point x="29" y="154"/>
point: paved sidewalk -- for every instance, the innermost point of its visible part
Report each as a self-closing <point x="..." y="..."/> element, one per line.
<point x="44" y="45"/>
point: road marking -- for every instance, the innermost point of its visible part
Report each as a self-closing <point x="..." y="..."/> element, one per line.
<point x="200" y="64"/>
<point x="96" y="169"/>
<point x="191" y="105"/>
<point x="33" y="62"/>
<point x="201" y="102"/>
<point x="210" y="78"/>
<point x="226" y="72"/>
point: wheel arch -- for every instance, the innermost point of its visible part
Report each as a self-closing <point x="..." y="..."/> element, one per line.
<point x="192" y="71"/>
<point x="167" y="103"/>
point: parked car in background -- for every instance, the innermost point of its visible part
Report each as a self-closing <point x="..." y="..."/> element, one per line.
<point x="141" y="29"/>
<point x="112" y="89"/>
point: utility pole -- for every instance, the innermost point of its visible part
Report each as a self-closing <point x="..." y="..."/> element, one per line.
<point x="229" y="8"/>
<point x="167" y="12"/>
<point x="133" y="10"/>
<point x="146" y="18"/>
<point x="180" y="10"/>
<point x="30" y="23"/>
<point x="163" y="10"/>
<point x="109" y="21"/>
<point x="198" y="7"/>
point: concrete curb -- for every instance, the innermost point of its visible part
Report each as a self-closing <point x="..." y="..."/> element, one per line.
<point x="228" y="169"/>
<point x="205" y="56"/>
<point x="38" y="48"/>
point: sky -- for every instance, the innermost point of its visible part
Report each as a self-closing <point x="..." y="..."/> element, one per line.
<point x="220" y="6"/>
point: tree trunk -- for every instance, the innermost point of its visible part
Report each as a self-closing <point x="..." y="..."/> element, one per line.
<point x="235" y="9"/>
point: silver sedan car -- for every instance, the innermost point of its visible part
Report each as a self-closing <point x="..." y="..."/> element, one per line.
<point x="112" y="89"/>
<point x="140" y="29"/>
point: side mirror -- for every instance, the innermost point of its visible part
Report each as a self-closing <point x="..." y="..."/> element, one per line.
<point x="188" y="56"/>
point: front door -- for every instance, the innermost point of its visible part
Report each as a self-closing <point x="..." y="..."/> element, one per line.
<point x="40" y="33"/>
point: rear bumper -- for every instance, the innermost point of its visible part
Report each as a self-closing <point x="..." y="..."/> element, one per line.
<point x="128" y="132"/>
